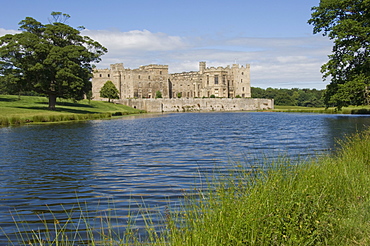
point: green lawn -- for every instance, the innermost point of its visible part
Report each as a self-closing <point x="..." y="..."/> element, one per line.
<point x="35" y="109"/>
<point x="332" y="110"/>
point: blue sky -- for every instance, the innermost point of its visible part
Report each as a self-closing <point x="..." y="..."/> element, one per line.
<point x="273" y="36"/>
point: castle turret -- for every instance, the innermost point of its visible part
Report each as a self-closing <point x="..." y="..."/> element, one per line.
<point x="202" y="67"/>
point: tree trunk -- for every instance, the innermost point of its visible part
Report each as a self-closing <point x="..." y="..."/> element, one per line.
<point x="52" y="101"/>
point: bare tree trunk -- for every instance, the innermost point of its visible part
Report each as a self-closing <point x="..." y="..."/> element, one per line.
<point x="52" y="101"/>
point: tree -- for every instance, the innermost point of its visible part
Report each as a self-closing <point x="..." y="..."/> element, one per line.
<point x="51" y="59"/>
<point x="109" y="91"/>
<point x="158" y="94"/>
<point x="347" y="23"/>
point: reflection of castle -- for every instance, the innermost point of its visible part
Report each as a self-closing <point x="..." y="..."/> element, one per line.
<point x="145" y="81"/>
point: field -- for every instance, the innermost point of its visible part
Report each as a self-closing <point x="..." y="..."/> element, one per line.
<point x="30" y="109"/>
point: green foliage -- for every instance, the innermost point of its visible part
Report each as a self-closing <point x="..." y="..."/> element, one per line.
<point x="51" y="59"/>
<point x="109" y="91"/>
<point x="212" y="96"/>
<point x="238" y="96"/>
<point x="346" y="22"/>
<point x="179" y="95"/>
<point x="291" y="97"/>
<point x="158" y="94"/>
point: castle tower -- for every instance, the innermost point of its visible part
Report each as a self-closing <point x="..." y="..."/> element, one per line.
<point x="202" y="67"/>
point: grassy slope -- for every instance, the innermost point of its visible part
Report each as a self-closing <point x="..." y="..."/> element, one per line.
<point x="29" y="108"/>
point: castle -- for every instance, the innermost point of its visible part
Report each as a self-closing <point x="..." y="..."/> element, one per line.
<point x="146" y="81"/>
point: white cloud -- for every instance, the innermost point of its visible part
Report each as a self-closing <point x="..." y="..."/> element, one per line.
<point x="4" y="31"/>
<point x="275" y="62"/>
<point x="136" y="40"/>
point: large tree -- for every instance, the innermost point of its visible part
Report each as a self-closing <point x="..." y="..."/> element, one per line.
<point x="52" y="59"/>
<point x="347" y="23"/>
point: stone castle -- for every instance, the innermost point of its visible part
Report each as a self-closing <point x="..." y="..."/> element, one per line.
<point x="144" y="82"/>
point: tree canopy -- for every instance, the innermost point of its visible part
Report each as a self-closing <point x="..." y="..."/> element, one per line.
<point x="347" y="23"/>
<point x="109" y="91"/>
<point x="51" y="59"/>
<point x="291" y="97"/>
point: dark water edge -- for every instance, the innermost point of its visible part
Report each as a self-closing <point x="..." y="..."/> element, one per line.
<point x="144" y="163"/>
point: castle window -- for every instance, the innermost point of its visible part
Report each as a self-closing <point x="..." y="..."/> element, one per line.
<point x="224" y="79"/>
<point x="216" y="79"/>
<point x="108" y="75"/>
<point x="243" y="89"/>
<point x="242" y="73"/>
<point x="207" y="79"/>
<point x="241" y="81"/>
<point x="138" y="77"/>
<point x="160" y="72"/>
<point x="99" y="75"/>
<point x="149" y="77"/>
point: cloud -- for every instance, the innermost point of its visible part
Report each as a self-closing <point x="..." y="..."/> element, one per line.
<point x="136" y="40"/>
<point x="5" y="31"/>
<point x="275" y="62"/>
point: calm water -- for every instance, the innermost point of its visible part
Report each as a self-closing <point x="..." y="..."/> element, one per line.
<point x="118" y="165"/>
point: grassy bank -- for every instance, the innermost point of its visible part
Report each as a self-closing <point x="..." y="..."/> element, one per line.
<point x="30" y="109"/>
<point x="345" y="110"/>
<point x="324" y="202"/>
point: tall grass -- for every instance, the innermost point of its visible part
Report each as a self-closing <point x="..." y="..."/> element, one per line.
<point x="322" y="202"/>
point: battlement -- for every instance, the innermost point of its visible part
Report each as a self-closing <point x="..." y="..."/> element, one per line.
<point x="117" y="66"/>
<point x="153" y="66"/>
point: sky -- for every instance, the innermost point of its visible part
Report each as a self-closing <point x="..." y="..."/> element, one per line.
<point x="272" y="36"/>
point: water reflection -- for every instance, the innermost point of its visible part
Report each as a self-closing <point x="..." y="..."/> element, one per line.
<point x="120" y="164"/>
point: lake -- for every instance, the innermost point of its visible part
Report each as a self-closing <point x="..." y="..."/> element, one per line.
<point x="122" y="165"/>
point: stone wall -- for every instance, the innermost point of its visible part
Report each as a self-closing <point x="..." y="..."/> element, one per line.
<point x="198" y="104"/>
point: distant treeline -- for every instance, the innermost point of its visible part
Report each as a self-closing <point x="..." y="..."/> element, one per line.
<point x="291" y="97"/>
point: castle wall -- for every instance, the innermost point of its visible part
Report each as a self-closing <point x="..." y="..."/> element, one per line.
<point x="144" y="82"/>
<point x="198" y="105"/>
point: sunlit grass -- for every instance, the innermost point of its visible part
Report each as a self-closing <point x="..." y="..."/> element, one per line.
<point x="30" y="109"/>
<point x="331" y="110"/>
<point x="325" y="202"/>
